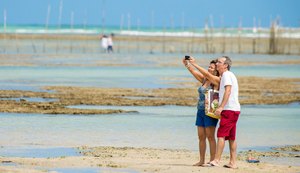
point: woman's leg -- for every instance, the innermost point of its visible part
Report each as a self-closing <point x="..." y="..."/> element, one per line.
<point x="202" y="145"/>
<point x="210" y="134"/>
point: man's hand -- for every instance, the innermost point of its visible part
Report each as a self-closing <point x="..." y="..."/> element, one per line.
<point x="218" y="111"/>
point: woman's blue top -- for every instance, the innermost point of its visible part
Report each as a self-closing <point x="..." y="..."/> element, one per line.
<point x="201" y="100"/>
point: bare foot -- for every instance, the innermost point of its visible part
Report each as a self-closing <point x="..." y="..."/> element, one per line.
<point x="230" y="166"/>
<point x="198" y="164"/>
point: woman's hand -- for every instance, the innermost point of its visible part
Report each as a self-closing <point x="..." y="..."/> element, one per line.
<point x="192" y="60"/>
<point x="185" y="63"/>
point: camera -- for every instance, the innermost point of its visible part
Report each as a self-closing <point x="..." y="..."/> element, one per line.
<point x="187" y="57"/>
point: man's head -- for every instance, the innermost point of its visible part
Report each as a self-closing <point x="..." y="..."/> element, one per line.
<point x="223" y="64"/>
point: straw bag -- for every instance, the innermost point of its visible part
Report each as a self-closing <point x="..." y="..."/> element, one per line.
<point x="211" y="103"/>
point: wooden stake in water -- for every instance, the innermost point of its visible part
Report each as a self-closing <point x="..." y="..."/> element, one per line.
<point x="182" y="28"/>
<point x="272" y="44"/>
<point x="212" y="48"/>
<point x="163" y="39"/>
<point x="254" y="30"/>
<point x="137" y="36"/>
<point x="33" y="45"/>
<point x="239" y="34"/>
<point x="223" y="34"/>
<point x="128" y="22"/>
<point x="60" y="13"/>
<point x="206" y="28"/>
<point x="4" y="15"/>
<point x="84" y="27"/>
<point x="59" y="23"/>
<point x="103" y="17"/>
<point x="289" y="41"/>
<point x="152" y="29"/>
<point x="128" y="27"/>
<point x="48" y="16"/>
<point x="46" y="26"/>
<point x="258" y="39"/>
<point x="71" y="27"/>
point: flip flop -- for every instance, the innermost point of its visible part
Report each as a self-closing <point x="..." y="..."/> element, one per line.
<point x="229" y="166"/>
<point x="213" y="164"/>
<point x="253" y="161"/>
<point x="207" y="165"/>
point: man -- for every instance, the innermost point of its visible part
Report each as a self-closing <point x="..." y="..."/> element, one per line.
<point x="110" y="43"/>
<point x="229" y="109"/>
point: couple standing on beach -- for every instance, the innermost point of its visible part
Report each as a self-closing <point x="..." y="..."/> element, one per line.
<point x="107" y="43"/>
<point x="217" y="77"/>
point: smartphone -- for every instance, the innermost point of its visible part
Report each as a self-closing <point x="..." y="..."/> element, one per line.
<point x="187" y="57"/>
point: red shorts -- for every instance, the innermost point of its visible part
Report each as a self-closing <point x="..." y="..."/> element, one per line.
<point x="227" y="126"/>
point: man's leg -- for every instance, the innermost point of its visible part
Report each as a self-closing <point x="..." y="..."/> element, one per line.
<point x="232" y="147"/>
<point x="220" y="148"/>
<point x="232" y="142"/>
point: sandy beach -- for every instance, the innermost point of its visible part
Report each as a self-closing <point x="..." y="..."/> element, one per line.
<point x="138" y="159"/>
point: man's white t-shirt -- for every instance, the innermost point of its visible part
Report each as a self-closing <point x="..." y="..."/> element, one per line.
<point x="228" y="78"/>
<point x="109" y="41"/>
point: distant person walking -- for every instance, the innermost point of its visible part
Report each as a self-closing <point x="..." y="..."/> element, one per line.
<point x="104" y="43"/>
<point x="205" y="125"/>
<point x="229" y="109"/>
<point x="110" y="43"/>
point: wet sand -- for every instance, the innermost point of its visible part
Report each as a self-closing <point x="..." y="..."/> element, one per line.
<point x="253" y="90"/>
<point x="139" y="159"/>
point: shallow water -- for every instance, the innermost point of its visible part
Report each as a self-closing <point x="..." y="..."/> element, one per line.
<point x="92" y="170"/>
<point x="32" y="78"/>
<point x="259" y="127"/>
<point x="72" y="70"/>
<point x="38" y="152"/>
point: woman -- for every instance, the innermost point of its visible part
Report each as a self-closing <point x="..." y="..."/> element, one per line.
<point x="206" y="125"/>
